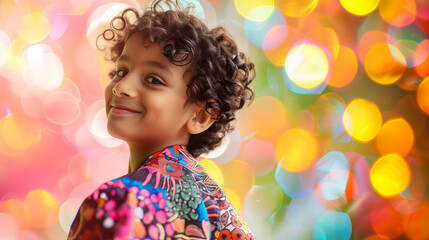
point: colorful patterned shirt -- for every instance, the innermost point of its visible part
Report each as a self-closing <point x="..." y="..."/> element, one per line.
<point x="171" y="197"/>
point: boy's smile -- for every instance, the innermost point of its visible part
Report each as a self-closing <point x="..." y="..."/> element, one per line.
<point x="146" y="101"/>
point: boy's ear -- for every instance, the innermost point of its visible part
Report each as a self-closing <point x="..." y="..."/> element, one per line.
<point x="201" y="120"/>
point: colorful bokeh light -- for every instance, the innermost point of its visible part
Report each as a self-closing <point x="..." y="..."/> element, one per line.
<point x="362" y="119"/>
<point x="384" y="63"/>
<point x="390" y="174"/>
<point x="395" y="136"/>
<point x="297" y="150"/>
<point x="307" y="65"/>
<point x="359" y="7"/>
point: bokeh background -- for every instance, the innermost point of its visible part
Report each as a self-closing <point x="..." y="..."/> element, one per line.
<point x="334" y="146"/>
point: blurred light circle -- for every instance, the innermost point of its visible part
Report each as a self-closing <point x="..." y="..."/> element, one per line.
<point x="295" y="184"/>
<point x="423" y="95"/>
<point x="8" y="227"/>
<point x="256" y="31"/>
<point x="265" y="110"/>
<point x="262" y="201"/>
<point x="296" y="8"/>
<point x="333" y="225"/>
<point x="304" y="212"/>
<point x="255" y="10"/>
<point x="79" y="7"/>
<point x="362" y="119"/>
<point x="260" y="155"/>
<point x="60" y="24"/>
<point x="307" y="65"/>
<point x="36" y="27"/>
<point x="78" y="169"/>
<point x="332" y="172"/>
<point x="98" y="128"/>
<point x="384" y="63"/>
<point x="227" y="150"/>
<point x="15" y="208"/>
<point x="5" y="48"/>
<point x="390" y="174"/>
<point x="359" y="7"/>
<point x="417" y="224"/>
<point x="41" y="209"/>
<point x="35" y="73"/>
<point x="421" y="54"/>
<point x="395" y="136"/>
<point x="238" y="176"/>
<point x="387" y="222"/>
<point x="68" y="212"/>
<point x="19" y="131"/>
<point x="212" y="170"/>
<point x="398" y="13"/>
<point x="61" y="108"/>
<point x="345" y="68"/>
<point x="297" y="150"/>
<point x="277" y="36"/>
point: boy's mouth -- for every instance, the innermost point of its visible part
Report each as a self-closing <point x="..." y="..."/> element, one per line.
<point x="120" y="109"/>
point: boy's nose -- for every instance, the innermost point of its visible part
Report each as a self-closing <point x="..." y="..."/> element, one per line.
<point x="124" y="88"/>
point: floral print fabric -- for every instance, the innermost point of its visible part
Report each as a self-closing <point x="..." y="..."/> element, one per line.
<point x="171" y="197"/>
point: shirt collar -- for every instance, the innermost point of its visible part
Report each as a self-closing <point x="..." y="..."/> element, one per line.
<point x="174" y="151"/>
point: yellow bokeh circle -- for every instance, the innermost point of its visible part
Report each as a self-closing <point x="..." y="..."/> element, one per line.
<point x="395" y="136"/>
<point x="362" y="119"/>
<point x="212" y="170"/>
<point x="423" y="95"/>
<point x="390" y="175"/>
<point x="297" y="150"/>
<point x="255" y="10"/>
<point x="384" y="63"/>
<point x="266" y="110"/>
<point x="36" y="27"/>
<point x="296" y="8"/>
<point x="307" y="65"/>
<point x="41" y="209"/>
<point x="19" y="131"/>
<point x="359" y="7"/>
<point x="345" y="67"/>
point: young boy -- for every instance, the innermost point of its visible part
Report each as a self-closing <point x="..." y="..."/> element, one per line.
<point x="172" y="97"/>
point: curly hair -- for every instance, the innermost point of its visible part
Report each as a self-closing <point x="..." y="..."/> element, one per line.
<point x="220" y="73"/>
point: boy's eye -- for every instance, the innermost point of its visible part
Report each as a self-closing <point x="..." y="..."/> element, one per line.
<point x="154" y="80"/>
<point x="121" y="73"/>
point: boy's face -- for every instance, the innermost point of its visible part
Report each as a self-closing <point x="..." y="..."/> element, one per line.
<point x="145" y="101"/>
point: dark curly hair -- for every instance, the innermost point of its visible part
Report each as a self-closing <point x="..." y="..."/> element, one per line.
<point x="220" y="73"/>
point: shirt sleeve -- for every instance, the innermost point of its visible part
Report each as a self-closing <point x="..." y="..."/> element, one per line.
<point x="108" y="213"/>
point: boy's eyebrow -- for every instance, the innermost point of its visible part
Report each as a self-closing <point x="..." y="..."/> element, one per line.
<point x="148" y="62"/>
<point x="157" y="65"/>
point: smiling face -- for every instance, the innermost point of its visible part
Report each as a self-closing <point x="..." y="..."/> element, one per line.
<point x="146" y="100"/>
